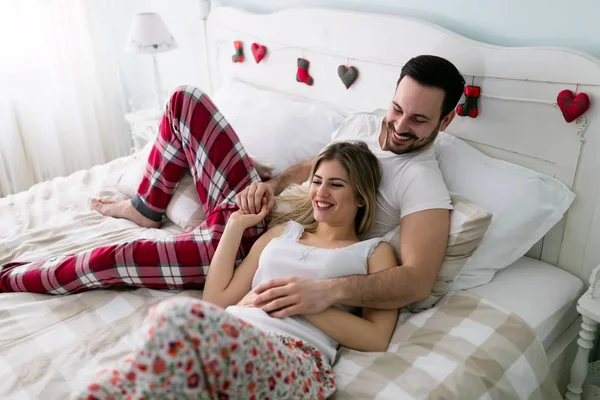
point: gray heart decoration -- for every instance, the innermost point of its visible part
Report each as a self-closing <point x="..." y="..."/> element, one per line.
<point x="348" y="75"/>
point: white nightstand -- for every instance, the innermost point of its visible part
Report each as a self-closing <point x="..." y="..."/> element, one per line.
<point x="589" y="308"/>
<point x="144" y="126"/>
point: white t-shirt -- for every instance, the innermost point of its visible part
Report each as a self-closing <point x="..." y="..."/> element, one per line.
<point x="410" y="182"/>
<point x="304" y="261"/>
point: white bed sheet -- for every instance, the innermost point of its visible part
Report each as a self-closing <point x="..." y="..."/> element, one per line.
<point x="54" y="217"/>
<point x="541" y="294"/>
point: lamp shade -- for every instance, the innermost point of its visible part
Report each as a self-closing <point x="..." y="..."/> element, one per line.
<point x="149" y="34"/>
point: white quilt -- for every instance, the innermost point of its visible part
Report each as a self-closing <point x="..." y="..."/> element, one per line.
<point x="54" y="217"/>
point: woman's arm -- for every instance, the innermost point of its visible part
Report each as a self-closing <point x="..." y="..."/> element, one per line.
<point x="224" y="286"/>
<point x="374" y="330"/>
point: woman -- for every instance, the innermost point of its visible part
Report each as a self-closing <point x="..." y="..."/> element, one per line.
<point x="195" y="349"/>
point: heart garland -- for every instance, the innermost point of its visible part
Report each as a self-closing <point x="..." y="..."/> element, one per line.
<point x="259" y="52"/>
<point x="348" y="75"/>
<point x="572" y="106"/>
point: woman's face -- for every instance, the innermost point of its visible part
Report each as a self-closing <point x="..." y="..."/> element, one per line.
<point x="332" y="195"/>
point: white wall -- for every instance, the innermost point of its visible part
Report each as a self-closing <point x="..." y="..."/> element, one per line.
<point x="571" y="24"/>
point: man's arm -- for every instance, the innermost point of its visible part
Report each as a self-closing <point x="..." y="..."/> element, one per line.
<point x="249" y="199"/>
<point x="423" y="241"/>
<point x="296" y="174"/>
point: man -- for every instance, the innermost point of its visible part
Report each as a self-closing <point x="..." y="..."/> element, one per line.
<point x="412" y="192"/>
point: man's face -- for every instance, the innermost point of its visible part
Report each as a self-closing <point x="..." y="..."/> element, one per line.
<point x="413" y="119"/>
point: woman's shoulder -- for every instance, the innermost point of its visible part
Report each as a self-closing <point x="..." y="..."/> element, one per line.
<point x="273" y="232"/>
<point x="379" y="245"/>
<point x="381" y="256"/>
<point x="283" y="228"/>
<point x="279" y="228"/>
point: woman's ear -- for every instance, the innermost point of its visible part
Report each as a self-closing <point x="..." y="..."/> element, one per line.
<point x="360" y="203"/>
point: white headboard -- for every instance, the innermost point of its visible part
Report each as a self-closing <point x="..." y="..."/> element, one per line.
<point x="518" y="121"/>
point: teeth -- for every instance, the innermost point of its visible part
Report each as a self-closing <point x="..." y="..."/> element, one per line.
<point x="323" y="205"/>
<point x="402" y="137"/>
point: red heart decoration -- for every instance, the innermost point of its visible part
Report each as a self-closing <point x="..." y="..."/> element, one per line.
<point x="572" y="106"/>
<point x="258" y="51"/>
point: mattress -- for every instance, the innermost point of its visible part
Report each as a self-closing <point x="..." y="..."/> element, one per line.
<point x="544" y="296"/>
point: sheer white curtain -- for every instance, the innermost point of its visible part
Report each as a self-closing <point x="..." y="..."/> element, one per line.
<point x="61" y="101"/>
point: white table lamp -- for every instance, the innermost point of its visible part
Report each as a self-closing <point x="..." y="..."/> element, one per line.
<point x="150" y="35"/>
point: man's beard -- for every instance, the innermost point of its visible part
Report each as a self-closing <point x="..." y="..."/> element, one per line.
<point x="414" y="144"/>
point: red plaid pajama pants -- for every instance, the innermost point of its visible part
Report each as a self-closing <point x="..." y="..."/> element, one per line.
<point x="193" y="136"/>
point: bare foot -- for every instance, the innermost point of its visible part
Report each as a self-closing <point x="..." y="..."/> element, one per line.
<point x="122" y="209"/>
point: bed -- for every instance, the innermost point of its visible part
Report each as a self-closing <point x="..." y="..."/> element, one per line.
<point x="50" y="343"/>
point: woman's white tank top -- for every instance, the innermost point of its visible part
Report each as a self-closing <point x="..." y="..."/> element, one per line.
<point x="284" y="256"/>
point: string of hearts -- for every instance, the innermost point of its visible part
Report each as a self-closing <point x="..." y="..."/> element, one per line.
<point x="371" y="60"/>
<point x="572" y="105"/>
<point x="348" y="74"/>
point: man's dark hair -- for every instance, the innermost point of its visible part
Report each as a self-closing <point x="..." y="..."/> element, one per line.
<point x="434" y="71"/>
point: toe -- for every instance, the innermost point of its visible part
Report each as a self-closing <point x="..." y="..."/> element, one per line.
<point x="107" y="201"/>
<point x="94" y="203"/>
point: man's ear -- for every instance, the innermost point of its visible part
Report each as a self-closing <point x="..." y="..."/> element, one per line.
<point x="447" y="119"/>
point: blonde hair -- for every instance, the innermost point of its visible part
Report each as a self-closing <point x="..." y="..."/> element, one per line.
<point x="365" y="175"/>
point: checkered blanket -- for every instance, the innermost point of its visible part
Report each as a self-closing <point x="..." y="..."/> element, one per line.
<point x="49" y="343"/>
<point x="464" y="348"/>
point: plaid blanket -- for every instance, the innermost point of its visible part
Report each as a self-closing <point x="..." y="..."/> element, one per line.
<point x="464" y="348"/>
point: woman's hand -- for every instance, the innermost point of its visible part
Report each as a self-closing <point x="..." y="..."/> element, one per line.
<point x="244" y="221"/>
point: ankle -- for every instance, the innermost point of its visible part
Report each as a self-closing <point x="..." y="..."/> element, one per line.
<point x="135" y="215"/>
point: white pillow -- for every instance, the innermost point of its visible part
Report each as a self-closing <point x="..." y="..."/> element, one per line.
<point x="133" y="174"/>
<point x="525" y="205"/>
<point x="184" y="209"/>
<point x="468" y="225"/>
<point x="276" y="128"/>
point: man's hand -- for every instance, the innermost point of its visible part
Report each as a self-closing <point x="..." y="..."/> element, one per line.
<point x="246" y="220"/>
<point x="247" y="300"/>
<point x="284" y="297"/>
<point x="249" y="200"/>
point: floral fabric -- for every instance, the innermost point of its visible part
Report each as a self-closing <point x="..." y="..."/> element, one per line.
<point x="190" y="349"/>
